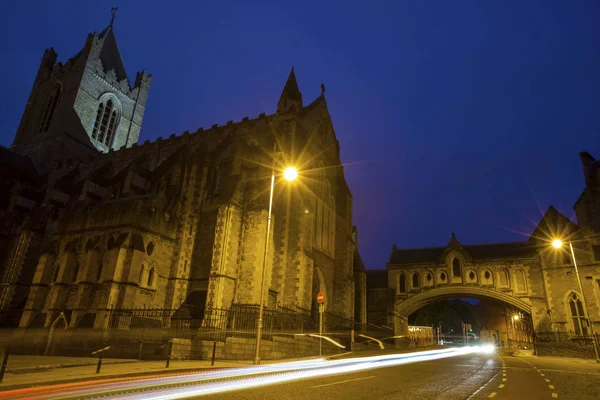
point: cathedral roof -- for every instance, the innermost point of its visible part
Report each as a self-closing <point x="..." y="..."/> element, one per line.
<point x="110" y="54"/>
<point x="477" y="252"/>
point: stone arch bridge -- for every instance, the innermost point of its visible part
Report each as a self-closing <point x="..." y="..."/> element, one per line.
<point x="504" y="272"/>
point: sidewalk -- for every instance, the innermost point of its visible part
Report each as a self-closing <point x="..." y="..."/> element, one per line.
<point x="111" y="368"/>
<point x="18" y="364"/>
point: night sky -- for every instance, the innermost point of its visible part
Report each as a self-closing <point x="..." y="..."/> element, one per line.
<point x="452" y="116"/>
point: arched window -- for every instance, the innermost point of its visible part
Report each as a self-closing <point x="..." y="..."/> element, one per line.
<point x="415" y="280"/>
<point x="456" y="267"/>
<point x="48" y="112"/>
<point x="503" y="278"/>
<point x="55" y="272"/>
<point x="402" y="283"/>
<point x="141" y="277"/>
<point x="107" y="120"/>
<point x="520" y="281"/>
<point x="577" y="314"/>
<point x="151" y="277"/>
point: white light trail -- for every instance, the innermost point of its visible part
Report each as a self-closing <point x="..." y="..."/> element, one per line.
<point x="328" y="369"/>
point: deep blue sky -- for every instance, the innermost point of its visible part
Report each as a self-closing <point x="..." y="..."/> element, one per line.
<point x="453" y="116"/>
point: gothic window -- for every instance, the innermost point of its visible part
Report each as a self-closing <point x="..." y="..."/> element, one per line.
<point x="324" y="235"/>
<point x="107" y="119"/>
<point x="141" y="277"/>
<point x="577" y="314"/>
<point x="48" y="111"/>
<point x="150" y="248"/>
<point x="456" y="267"/>
<point x="429" y="277"/>
<point x="472" y="276"/>
<point x="402" y="283"/>
<point x="520" y="281"/>
<point x="151" y="277"/>
<point x="415" y="280"/>
<point x="503" y="278"/>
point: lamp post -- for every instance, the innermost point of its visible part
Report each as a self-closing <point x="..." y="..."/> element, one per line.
<point x="557" y="244"/>
<point x="289" y="174"/>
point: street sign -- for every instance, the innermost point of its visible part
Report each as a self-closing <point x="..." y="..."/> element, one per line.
<point x="320" y="297"/>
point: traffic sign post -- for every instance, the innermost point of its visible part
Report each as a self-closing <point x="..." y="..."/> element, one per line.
<point x="320" y="300"/>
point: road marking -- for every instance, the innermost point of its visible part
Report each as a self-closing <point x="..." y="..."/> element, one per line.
<point x="347" y="380"/>
<point x="501" y="386"/>
<point x="555" y="395"/>
<point x="503" y="379"/>
<point x="541" y="374"/>
<point x="547" y="380"/>
<point x="551" y="386"/>
<point x="493" y="394"/>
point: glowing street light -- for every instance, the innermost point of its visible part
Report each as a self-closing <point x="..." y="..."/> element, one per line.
<point x="290" y="174"/>
<point x="557" y="244"/>
<point x="516" y="317"/>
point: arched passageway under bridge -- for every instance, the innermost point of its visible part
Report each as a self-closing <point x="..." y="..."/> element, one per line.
<point x="405" y="306"/>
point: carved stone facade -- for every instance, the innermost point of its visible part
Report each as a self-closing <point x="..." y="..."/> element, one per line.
<point x="531" y="276"/>
<point x="93" y="221"/>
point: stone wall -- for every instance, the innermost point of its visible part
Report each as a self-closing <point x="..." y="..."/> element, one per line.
<point x="244" y="348"/>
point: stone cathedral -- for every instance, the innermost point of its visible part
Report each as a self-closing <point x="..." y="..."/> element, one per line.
<point x="92" y="220"/>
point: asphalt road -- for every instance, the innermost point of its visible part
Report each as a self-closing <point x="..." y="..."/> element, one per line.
<point x="462" y="377"/>
<point x="454" y="373"/>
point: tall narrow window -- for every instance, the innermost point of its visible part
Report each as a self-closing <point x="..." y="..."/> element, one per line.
<point x="107" y="121"/>
<point x="578" y="316"/>
<point x="48" y="111"/>
<point x="151" y="277"/>
<point x="415" y="280"/>
<point x="141" y="277"/>
<point x="456" y="267"/>
<point x="402" y="283"/>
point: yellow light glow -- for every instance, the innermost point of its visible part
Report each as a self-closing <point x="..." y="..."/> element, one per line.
<point x="290" y="173"/>
<point x="516" y="317"/>
<point x="557" y="243"/>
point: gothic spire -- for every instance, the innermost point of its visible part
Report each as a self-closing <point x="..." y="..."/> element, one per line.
<point x="291" y="98"/>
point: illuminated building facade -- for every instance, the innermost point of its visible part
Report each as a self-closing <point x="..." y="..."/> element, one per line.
<point x="94" y="221"/>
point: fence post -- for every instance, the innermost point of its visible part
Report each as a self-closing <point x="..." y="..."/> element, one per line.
<point x="170" y="348"/>
<point x="4" y="362"/>
<point x="214" y="352"/>
<point x="99" y="363"/>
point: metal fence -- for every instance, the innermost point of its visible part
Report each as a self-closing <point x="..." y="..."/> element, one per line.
<point x="564" y="336"/>
<point x="146" y="332"/>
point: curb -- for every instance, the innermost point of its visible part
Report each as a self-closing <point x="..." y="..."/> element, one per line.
<point x="175" y="371"/>
<point x="39" y="368"/>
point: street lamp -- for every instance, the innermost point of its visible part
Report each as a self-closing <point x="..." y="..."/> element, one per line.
<point x="290" y="174"/>
<point x="557" y="244"/>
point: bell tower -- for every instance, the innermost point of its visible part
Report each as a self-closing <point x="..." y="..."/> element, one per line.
<point x="84" y="106"/>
